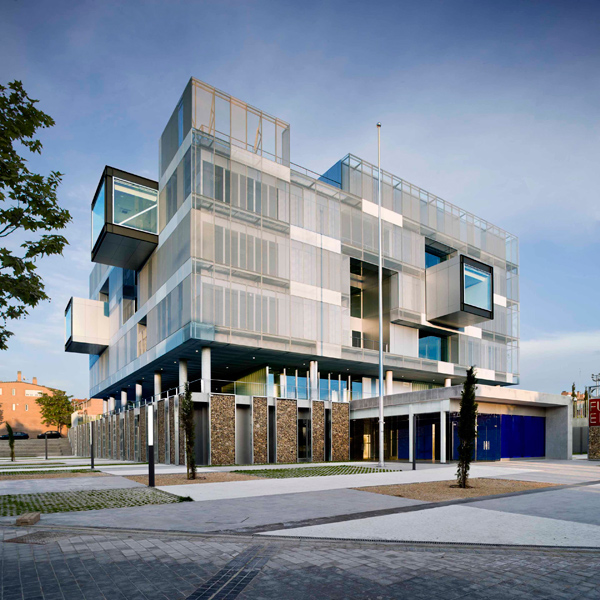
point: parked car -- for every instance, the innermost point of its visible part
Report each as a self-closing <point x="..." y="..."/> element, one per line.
<point x="51" y="435"/>
<point x="18" y="435"/>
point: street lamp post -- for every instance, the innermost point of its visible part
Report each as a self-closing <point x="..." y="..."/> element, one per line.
<point x="381" y="423"/>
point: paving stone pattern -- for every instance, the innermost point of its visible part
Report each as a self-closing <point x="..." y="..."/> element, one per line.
<point x="87" y="565"/>
<point x="53" y="502"/>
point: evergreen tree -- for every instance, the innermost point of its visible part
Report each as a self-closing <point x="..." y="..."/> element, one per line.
<point x="467" y="432"/>
<point x="186" y="413"/>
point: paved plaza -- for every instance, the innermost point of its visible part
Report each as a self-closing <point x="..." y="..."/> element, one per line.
<point x="316" y="538"/>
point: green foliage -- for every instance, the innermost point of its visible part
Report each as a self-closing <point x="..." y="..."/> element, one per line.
<point x="11" y="441"/>
<point x="467" y="432"/>
<point x="28" y="204"/>
<point x="186" y="413"/>
<point x="56" y="409"/>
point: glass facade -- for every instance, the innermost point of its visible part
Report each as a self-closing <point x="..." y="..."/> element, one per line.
<point x="98" y="213"/>
<point x="477" y="287"/>
<point x="256" y="251"/>
<point x="135" y="206"/>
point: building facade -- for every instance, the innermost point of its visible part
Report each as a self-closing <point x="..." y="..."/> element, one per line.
<point x="20" y="410"/>
<point x="255" y="280"/>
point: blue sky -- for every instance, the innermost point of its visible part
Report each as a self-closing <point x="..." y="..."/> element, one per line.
<point x="493" y="106"/>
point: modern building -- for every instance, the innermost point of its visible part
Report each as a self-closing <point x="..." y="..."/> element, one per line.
<point x="19" y="408"/>
<point x="255" y="279"/>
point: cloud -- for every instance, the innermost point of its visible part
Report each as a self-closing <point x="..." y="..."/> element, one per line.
<point x="551" y="363"/>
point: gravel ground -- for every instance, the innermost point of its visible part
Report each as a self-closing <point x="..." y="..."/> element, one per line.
<point x="181" y="478"/>
<point x="52" y="475"/>
<point x="438" y="491"/>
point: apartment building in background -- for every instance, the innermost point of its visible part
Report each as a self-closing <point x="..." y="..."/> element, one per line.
<point x="254" y="280"/>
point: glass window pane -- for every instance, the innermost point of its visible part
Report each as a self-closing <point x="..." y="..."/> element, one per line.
<point x="478" y="287"/>
<point x="135" y="206"/>
<point x="98" y="216"/>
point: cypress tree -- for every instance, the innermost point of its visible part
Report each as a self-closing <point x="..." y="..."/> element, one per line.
<point x="467" y="432"/>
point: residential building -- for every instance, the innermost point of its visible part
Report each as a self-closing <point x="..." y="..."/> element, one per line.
<point x="19" y="406"/>
<point x="255" y="280"/>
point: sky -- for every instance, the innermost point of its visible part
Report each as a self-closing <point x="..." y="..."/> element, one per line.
<point x="493" y="106"/>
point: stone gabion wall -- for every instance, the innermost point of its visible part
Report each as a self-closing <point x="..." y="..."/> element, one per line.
<point x="340" y="431"/>
<point x="594" y="444"/>
<point x="318" y="431"/>
<point x="260" y="423"/>
<point x="171" y="431"/>
<point x="159" y="444"/>
<point x="222" y="430"/>
<point x="287" y="431"/>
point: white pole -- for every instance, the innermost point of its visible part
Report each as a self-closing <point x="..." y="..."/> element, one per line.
<point x="381" y="424"/>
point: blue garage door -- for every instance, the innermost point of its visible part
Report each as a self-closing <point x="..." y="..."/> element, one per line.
<point x="523" y="437"/>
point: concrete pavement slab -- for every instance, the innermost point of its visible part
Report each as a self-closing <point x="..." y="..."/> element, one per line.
<point x="458" y="524"/>
<point x="235" y="514"/>
<point x="267" y="487"/>
<point x="67" y="484"/>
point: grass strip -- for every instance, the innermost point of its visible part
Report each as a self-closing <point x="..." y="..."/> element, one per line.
<point x="54" y="502"/>
<point x="315" y="471"/>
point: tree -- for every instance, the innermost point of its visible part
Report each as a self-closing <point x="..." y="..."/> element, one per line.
<point x="28" y="204"/>
<point x="11" y="441"/>
<point x="186" y="413"/>
<point x="56" y="409"/>
<point x="467" y="432"/>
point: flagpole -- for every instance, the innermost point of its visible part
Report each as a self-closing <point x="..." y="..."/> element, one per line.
<point x="381" y="424"/>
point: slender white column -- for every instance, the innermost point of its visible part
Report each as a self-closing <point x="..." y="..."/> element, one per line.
<point x="389" y="383"/>
<point x="206" y="373"/>
<point x="443" y="436"/>
<point x="314" y="380"/>
<point x="157" y="385"/>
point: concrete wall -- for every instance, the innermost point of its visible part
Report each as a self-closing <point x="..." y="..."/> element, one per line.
<point x="559" y="434"/>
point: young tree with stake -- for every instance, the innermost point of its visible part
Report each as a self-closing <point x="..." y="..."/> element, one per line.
<point x="467" y="432"/>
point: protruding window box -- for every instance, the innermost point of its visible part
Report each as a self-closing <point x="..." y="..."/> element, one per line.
<point x="459" y="292"/>
<point x="124" y="219"/>
<point x="86" y="326"/>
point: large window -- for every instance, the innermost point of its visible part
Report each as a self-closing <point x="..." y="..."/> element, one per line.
<point x="477" y="287"/>
<point x="135" y="206"/>
<point x="433" y="347"/>
<point x="68" y="323"/>
<point x="98" y="216"/>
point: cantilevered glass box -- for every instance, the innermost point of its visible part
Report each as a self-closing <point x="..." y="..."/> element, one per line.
<point x="459" y="292"/>
<point x="86" y="326"/>
<point x="124" y="219"/>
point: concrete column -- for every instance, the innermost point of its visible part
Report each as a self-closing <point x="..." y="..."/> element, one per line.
<point x="111" y="404"/>
<point x="157" y="385"/>
<point x="447" y="382"/>
<point x="123" y="399"/>
<point x="314" y="380"/>
<point x="443" y="415"/>
<point x="389" y="383"/>
<point x="206" y="373"/>
<point x="138" y="392"/>
<point x="283" y="385"/>
<point x="411" y="434"/>
<point x="183" y="374"/>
